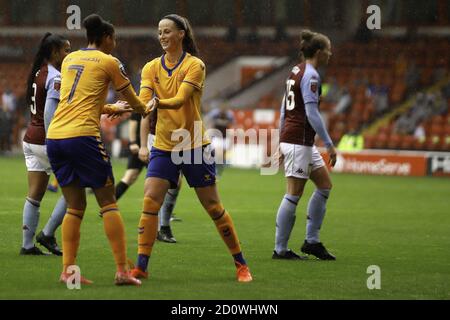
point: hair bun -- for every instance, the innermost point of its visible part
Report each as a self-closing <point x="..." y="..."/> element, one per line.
<point x="92" y="22"/>
<point x="306" y="35"/>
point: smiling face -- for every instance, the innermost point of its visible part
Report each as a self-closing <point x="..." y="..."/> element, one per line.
<point x="170" y="37"/>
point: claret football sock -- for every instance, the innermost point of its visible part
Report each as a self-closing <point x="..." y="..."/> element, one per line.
<point x="285" y="222"/>
<point x="316" y="213"/>
<point x="115" y="231"/>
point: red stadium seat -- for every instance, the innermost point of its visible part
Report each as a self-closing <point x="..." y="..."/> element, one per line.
<point x="369" y="141"/>
<point x="432" y="143"/>
<point x="386" y="130"/>
<point x="438" y="120"/>
<point x="419" y="144"/>
<point x="437" y="129"/>
<point x="394" y="141"/>
<point x="407" y="142"/>
<point x="445" y="144"/>
<point x="381" y="141"/>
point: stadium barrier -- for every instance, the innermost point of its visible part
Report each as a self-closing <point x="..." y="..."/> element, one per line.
<point x="394" y="163"/>
<point x="369" y="162"/>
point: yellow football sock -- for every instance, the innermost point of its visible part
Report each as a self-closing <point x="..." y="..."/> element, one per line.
<point x="71" y="236"/>
<point x="115" y="231"/>
<point x="225" y="226"/>
<point x="148" y="226"/>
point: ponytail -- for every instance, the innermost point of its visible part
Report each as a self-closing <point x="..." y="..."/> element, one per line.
<point x="48" y="43"/>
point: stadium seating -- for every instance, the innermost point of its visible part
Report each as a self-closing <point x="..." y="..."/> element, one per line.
<point x="370" y="72"/>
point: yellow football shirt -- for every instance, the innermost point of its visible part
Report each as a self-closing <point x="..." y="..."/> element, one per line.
<point x="85" y="77"/>
<point x="164" y="80"/>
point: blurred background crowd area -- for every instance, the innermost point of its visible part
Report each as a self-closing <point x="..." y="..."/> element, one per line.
<point x="389" y="86"/>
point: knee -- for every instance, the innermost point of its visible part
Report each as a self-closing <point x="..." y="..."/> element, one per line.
<point x="112" y="207"/>
<point x="79" y="213"/>
<point x="214" y="209"/>
<point x="151" y="205"/>
<point x="295" y="191"/>
<point x="36" y="196"/>
<point x="37" y="193"/>
<point x="326" y="186"/>
<point x="131" y="177"/>
<point x="155" y="197"/>
<point x="77" y="206"/>
<point x="105" y="198"/>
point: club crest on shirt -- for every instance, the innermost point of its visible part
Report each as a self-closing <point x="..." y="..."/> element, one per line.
<point x="181" y="75"/>
<point x="122" y="68"/>
<point x="57" y="84"/>
<point x="313" y="85"/>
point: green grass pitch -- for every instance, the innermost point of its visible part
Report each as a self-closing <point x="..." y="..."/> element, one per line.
<point x="400" y="224"/>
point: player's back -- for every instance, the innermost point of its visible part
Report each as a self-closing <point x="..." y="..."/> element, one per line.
<point x="35" y="132"/>
<point x="85" y="77"/>
<point x="303" y="82"/>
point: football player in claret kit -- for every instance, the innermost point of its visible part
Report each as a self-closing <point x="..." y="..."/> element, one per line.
<point x="76" y="152"/>
<point x="299" y="122"/>
<point x="43" y="82"/>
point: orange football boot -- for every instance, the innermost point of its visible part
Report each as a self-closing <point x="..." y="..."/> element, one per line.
<point x="126" y="279"/>
<point x="243" y="273"/>
<point x="64" y="278"/>
<point x="136" y="272"/>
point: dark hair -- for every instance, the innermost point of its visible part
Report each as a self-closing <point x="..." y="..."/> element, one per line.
<point x="49" y="43"/>
<point x="311" y="42"/>
<point x="97" y="28"/>
<point x="189" y="44"/>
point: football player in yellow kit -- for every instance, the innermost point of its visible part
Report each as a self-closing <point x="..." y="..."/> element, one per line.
<point x="174" y="85"/>
<point x="76" y="153"/>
